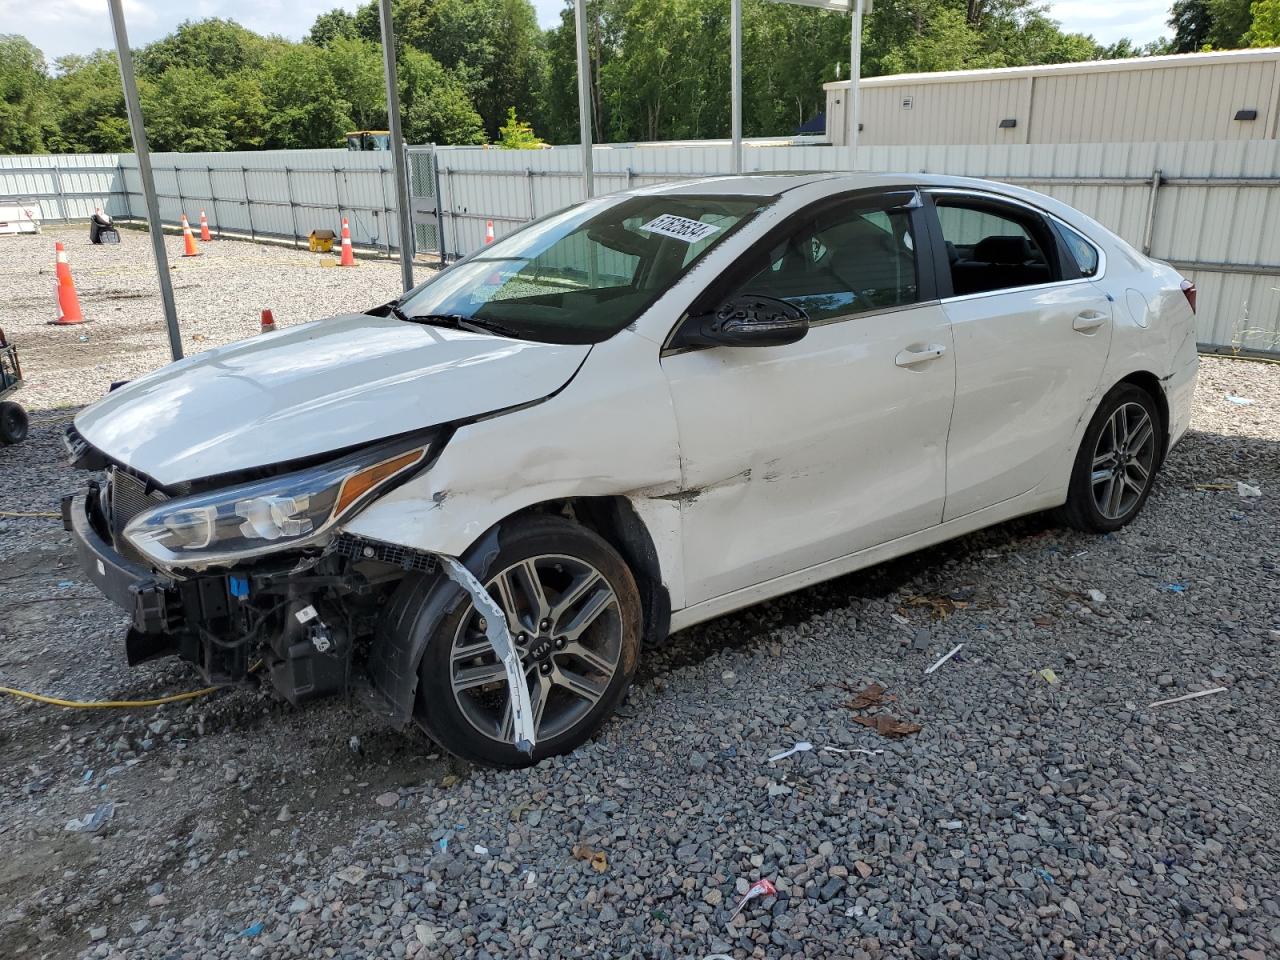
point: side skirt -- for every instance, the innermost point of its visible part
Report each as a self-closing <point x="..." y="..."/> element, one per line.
<point x="1030" y="502"/>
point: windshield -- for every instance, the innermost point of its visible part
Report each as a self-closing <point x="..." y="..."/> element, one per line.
<point x="581" y="275"/>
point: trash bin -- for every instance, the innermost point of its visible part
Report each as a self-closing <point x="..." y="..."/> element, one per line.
<point x="101" y="230"/>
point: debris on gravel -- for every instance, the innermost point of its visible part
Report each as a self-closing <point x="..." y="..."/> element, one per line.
<point x="1026" y="818"/>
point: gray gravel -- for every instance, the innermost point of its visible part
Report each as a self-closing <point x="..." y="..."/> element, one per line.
<point x="1026" y="818"/>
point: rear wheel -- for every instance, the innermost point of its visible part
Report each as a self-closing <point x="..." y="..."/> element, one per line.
<point x="573" y="611"/>
<point x="13" y="422"/>
<point x="1117" y="462"/>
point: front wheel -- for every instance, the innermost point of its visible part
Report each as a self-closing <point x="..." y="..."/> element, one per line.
<point x="1117" y="462"/>
<point x="574" y="613"/>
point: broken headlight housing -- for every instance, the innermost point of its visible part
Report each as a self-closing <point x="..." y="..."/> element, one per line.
<point x="290" y="510"/>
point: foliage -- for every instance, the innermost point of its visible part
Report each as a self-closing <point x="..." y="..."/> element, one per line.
<point x="1230" y="22"/>
<point x="331" y="26"/>
<point x="515" y="134"/>
<point x="88" y="105"/>
<point x="23" y="84"/>
<point x="217" y="47"/>
<point x="1265" y="31"/>
<point x="1191" y="22"/>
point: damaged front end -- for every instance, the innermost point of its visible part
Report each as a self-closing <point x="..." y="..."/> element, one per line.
<point x="243" y="573"/>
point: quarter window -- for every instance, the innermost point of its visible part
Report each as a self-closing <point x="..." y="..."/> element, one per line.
<point x="847" y="261"/>
<point x="1084" y="253"/>
<point x="991" y="247"/>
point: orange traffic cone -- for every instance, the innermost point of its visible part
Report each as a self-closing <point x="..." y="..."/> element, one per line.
<point x="204" y="228"/>
<point x="188" y="241"/>
<point x="348" y="258"/>
<point x="268" y="322"/>
<point x="488" y="231"/>
<point x="68" y="303"/>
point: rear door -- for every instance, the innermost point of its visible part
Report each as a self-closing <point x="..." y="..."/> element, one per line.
<point x="794" y="455"/>
<point x="1032" y="334"/>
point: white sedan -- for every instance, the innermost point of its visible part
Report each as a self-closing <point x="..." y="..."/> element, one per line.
<point x="480" y="501"/>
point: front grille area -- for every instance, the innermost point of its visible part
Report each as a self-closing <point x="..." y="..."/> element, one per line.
<point x="127" y="497"/>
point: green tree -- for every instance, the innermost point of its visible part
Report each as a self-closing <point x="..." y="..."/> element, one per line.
<point x="218" y="47"/>
<point x="88" y="105"/>
<point x="434" y="104"/>
<point x="1265" y="31"/>
<point x="23" y="103"/>
<point x="515" y="134"/>
<point x="1230" y="21"/>
<point x="186" y="110"/>
<point x="303" y="109"/>
<point x="1191" y="22"/>
<point x="494" y="47"/>
<point x="354" y="68"/>
<point x="334" y="25"/>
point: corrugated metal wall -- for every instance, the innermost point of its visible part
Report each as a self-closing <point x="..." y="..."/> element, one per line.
<point x="1171" y="99"/>
<point x="1216" y="214"/>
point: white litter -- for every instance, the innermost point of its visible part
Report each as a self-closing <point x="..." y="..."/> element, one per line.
<point x="869" y="753"/>
<point x="1248" y="490"/>
<point x="899" y="618"/>
<point x="800" y="747"/>
<point x="1240" y="401"/>
<point x="1189" y="696"/>
<point x="943" y="659"/>
<point x="1097" y="596"/>
<point x="481" y="849"/>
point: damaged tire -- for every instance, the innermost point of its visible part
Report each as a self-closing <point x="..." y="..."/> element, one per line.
<point x="573" y="611"/>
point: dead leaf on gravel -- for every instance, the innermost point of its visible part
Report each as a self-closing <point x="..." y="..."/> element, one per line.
<point x="870" y="696"/>
<point x="597" y="858"/>
<point x="888" y="725"/>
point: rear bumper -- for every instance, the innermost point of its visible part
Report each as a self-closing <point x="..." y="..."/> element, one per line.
<point x="135" y="589"/>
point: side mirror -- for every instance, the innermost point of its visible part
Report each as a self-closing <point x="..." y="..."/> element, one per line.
<point x="746" y="320"/>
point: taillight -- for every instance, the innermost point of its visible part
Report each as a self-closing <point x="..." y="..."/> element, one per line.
<point x="1189" y="291"/>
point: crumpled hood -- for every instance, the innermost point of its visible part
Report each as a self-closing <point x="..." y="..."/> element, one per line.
<point x="313" y="389"/>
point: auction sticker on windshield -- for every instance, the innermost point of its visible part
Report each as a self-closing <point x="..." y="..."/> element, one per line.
<point x="681" y="228"/>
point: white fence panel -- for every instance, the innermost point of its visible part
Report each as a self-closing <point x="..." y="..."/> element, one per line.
<point x="1215" y="213"/>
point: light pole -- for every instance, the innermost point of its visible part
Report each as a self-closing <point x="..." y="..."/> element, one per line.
<point x="584" y="97"/>
<point x="140" y="148"/>
<point x="735" y="71"/>
<point x="398" y="155"/>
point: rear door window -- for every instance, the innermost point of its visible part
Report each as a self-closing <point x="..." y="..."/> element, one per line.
<point x="992" y="246"/>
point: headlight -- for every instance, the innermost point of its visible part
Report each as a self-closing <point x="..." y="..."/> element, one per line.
<point x="266" y="516"/>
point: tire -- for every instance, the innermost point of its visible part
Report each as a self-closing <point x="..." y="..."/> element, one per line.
<point x="1094" y="504"/>
<point x="13" y="422"/>
<point x="563" y="555"/>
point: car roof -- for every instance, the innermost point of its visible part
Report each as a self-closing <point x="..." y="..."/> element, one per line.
<point x="775" y="183"/>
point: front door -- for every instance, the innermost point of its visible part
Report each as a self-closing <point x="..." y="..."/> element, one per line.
<point x="798" y="454"/>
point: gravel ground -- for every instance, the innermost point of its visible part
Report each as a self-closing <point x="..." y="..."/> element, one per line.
<point x="1027" y="818"/>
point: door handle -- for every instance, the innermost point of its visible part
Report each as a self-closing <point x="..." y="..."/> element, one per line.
<point x="910" y="357"/>
<point x="1088" y="321"/>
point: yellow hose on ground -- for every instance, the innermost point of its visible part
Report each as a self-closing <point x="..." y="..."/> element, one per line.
<point x="105" y="704"/>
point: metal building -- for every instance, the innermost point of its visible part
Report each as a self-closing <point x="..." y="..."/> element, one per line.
<point x="1230" y="95"/>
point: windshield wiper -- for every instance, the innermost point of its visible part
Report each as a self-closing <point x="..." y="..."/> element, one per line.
<point x="394" y="308"/>
<point x="457" y="321"/>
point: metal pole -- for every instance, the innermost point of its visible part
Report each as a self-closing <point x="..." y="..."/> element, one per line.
<point x="1149" y="229"/>
<point x="397" y="145"/>
<point x="293" y="210"/>
<point x="735" y="71"/>
<point x="134" y="110"/>
<point x="855" y="74"/>
<point x="248" y="202"/>
<point x="584" y="98"/>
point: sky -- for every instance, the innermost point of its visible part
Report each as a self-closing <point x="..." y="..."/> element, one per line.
<point x="79" y="26"/>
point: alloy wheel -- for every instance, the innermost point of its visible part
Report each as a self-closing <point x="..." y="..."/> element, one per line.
<point x="1123" y="460"/>
<point x="565" y="620"/>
